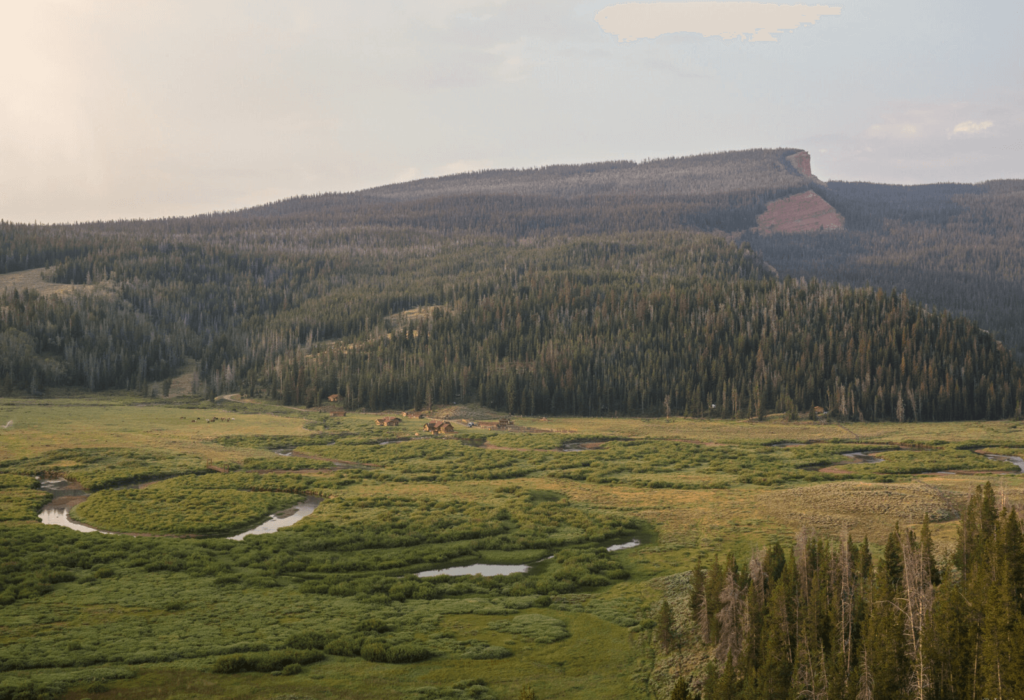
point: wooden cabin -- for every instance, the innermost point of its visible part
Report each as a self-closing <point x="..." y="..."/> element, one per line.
<point x="389" y="421"/>
<point x="439" y="427"/>
<point x="334" y="398"/>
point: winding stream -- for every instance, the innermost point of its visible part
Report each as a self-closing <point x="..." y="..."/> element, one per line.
<point x="281" y="519"/>
<point x="1018" y="461"/>
<point x="68" y="494"/>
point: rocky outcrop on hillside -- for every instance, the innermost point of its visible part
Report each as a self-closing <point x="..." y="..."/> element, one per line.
<point x="801" y="160"/>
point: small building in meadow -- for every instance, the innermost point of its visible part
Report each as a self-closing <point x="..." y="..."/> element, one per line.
<point x="389" y="421"/>
<point x="439" y="427"/>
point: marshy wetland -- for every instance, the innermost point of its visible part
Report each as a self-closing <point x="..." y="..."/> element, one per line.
<point x="589" y="525"/>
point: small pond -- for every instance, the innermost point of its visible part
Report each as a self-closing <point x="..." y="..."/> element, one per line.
<point x="505" y="569"/>
<point x="624" y="545"/>
<point x="475" y="569"/>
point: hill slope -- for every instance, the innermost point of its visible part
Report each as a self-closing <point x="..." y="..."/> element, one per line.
<point x="954" y="247"/>
<point x="723" y="191"/>
<point x="570" y="289"/>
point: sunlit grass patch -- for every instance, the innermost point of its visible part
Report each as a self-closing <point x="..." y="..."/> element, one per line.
<point x="168" y="508"/>
<point x="862" y="507"/>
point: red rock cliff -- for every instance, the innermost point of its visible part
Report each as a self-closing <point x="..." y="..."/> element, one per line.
<point x="801" y="160"/>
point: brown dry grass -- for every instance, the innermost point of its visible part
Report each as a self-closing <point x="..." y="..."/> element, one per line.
<point x="33" y="279"/>
<point x="861" y="508"/>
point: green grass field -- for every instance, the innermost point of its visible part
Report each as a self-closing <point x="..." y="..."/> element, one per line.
<point x="110" y="616"/>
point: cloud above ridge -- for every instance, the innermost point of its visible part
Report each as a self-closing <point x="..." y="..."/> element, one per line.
<point x="753" y="21"/>
<point x="970" y="127"/>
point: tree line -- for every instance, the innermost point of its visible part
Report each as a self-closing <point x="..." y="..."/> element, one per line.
<point x="829" y="622"/>
<point x="456" y="290"/>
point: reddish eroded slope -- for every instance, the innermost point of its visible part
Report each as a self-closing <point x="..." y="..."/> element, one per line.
<point x="799" y="213"/>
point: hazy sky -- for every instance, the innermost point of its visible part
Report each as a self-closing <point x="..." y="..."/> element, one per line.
<point x="117" y="109"/>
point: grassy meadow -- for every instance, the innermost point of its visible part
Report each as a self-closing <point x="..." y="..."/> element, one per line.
<point x="331" y="607"/>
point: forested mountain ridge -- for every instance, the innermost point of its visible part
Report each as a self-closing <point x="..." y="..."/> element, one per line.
<point x="951" y="246"/>
<point x="571" y="289"/>
<point x="701" y="175"/>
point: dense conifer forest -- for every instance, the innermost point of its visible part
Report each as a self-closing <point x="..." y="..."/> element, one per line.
<point x="586" y="290"/>
<point x="953" y="247"/>
<point x="829" y="622"/>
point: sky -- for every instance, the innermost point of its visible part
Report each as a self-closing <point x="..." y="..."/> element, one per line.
<point x="113" y="109"/>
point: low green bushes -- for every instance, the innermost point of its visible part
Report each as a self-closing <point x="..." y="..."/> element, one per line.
<point x="344" y="646"/>
<point x="490" y="653"/>
<point x="22" y="503"/>
<point x="381" y="652"/>
<point x="265" y="662"/>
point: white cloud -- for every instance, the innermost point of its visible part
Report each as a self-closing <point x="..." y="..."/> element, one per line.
<point x="969" y="127"/>
<point x="730" y="20"/>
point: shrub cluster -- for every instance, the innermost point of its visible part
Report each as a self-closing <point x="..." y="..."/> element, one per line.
<point x="265" y="662"/>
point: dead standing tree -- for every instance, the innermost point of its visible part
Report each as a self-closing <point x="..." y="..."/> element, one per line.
<point x="915" y="605"/>
<point x="731" y="621"/>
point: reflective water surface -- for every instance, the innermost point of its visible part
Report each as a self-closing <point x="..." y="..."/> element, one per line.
<point x="68" y="494"/>
<point x="1018" y="461"/>
<point x="282" y="519"/>
<point x="505" y="569"/>
<point x="482" y="569"/>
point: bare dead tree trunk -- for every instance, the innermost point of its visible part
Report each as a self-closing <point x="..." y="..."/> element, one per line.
<point x="866" y="691"/>
<point x="846" y="602"/>
<point x="703" y="619"/>
<point x="915" y="606"/>
<point x="730" y="621"/>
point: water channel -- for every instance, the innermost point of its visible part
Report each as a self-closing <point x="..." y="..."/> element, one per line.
<point x="68" y="494"/>
<point x="282" y="519"/>
<point x="1018" y="461"/>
